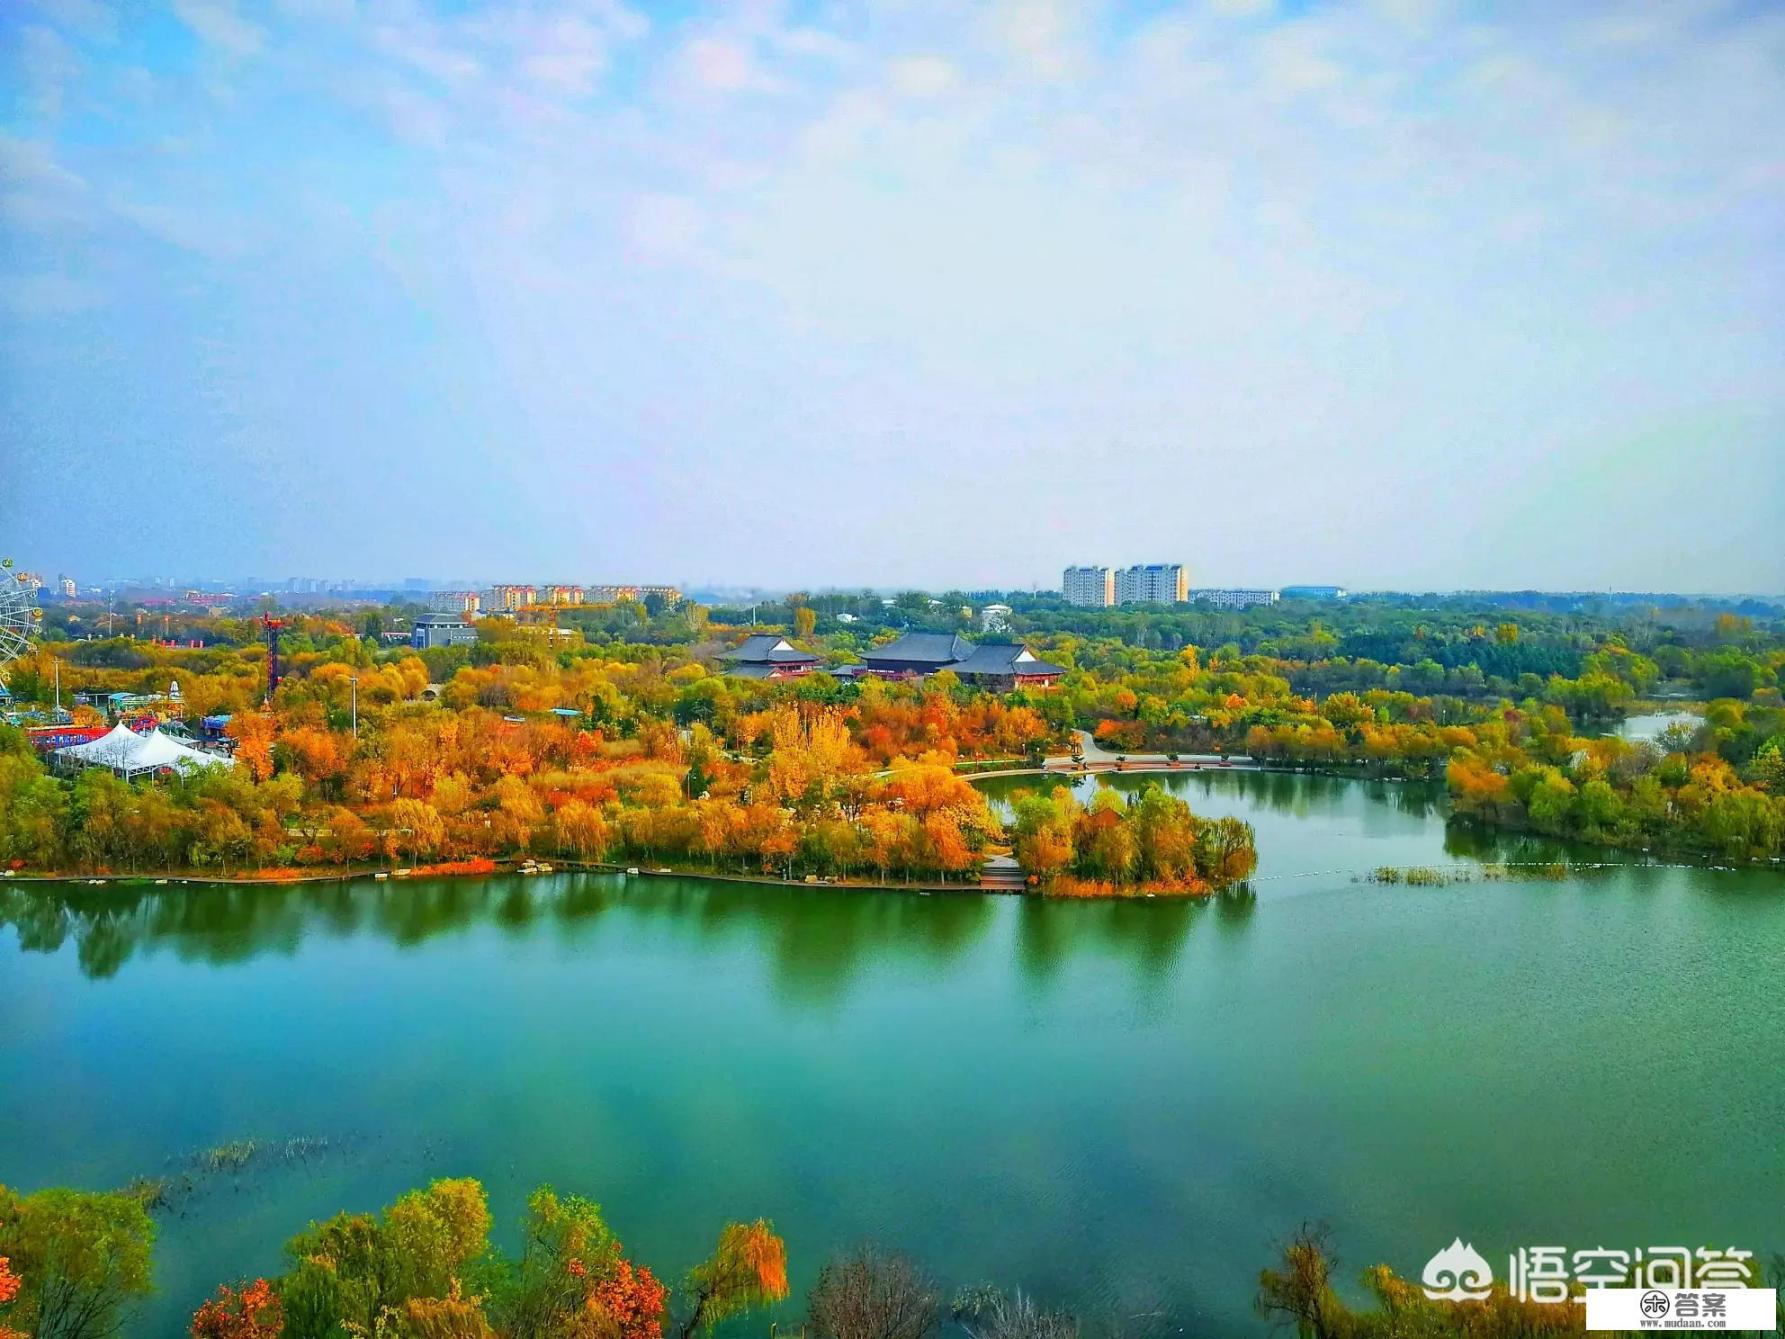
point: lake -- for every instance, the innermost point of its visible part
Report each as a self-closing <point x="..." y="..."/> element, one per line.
<point x="1117" y="1106"/>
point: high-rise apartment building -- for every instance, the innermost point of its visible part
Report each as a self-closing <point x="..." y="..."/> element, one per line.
<point x="1091" y="587"/>
<point x="1153" y="583"/>
<point x="455" y="601"/>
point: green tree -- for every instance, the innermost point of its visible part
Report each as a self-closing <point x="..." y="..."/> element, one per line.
<point x="565" y="1241"/>
<point x="84" y="1258"/>
<point x="355" y="1268"/>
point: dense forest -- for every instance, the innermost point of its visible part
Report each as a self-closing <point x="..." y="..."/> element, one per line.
<point x="616" y="737"/>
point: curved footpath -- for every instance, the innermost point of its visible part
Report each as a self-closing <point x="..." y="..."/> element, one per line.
<point x="1093" y="757"/>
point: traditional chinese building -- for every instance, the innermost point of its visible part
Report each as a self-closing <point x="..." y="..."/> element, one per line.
<point x="1005" y="667"/>
<point x="1000" y="666"/>
<point x="766" y="656"/>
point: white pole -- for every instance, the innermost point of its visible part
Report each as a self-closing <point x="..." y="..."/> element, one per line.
<point x="354" y="678"/>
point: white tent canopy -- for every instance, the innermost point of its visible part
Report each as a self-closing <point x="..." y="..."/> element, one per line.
<point x="130" y="754"/>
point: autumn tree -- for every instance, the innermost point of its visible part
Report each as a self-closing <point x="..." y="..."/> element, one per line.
<point x="416" y="827"/>
<point x="255" y="1312"/>
<point x="253" y="732"/>
<point x="9" y="1290"/>
<point x="1299" y="1291"/>
<point x="748" y="1269"/>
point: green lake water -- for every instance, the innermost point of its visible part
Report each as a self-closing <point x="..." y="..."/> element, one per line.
<point x="1117" y="1106"/>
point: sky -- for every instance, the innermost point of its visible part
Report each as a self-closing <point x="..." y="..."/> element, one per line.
<point x="1406" y="294"/>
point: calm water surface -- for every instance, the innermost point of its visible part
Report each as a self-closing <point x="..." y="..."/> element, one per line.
<point x="1117" y="1106"/>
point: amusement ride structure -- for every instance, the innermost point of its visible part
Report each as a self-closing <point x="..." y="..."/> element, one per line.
<point x="19" y="616"/>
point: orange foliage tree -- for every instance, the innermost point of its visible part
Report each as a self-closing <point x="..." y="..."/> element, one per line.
<point x="253" y="1313"/>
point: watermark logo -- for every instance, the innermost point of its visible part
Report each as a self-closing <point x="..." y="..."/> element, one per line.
<point x="1621" y="1288"/>
<point x="1458" y="1273"/>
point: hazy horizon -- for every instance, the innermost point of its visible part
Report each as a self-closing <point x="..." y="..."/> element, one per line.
<point x="1405" y="295"/>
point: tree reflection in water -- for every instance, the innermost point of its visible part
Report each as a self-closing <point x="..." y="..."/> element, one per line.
<point x="818" y="939"/>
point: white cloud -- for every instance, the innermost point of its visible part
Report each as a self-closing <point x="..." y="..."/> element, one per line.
<point x="1294" y="63"/>
<point x="92" y="19"/>
<point x="36" y="192"/>
<point x="50" y="66"/>
<point x="1011" y="230"/>
<point x="1045" y="37"/>
<point x="663" y="227"/>
<point x="420" y="45"/>
<point x="203" y="235"/>
<point x="923" y="76"/>
<point x="567" y="54"/>
<point x="722" y="65"/>
<point x="48" y="295"/>
<point x="218" y="23"/>
<point x="1241" y="8"/>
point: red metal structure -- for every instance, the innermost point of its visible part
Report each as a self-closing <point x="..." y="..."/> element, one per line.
<point x="271" y="627"/>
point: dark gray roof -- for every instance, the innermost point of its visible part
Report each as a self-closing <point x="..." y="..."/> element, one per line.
<point x="1002" y="658"/>
<point x="937" y="649"/>
<point x="766" y="648"/>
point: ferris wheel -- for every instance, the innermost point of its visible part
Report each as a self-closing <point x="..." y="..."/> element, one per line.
<point x="19" y="615"/>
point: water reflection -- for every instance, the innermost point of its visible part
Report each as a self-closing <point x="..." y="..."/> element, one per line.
<point x="1213" y="792"/>
<point x="818" y="939"/>
<point x="1147" y="933"/>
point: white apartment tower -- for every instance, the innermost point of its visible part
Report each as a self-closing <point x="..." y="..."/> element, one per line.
<point x="1153" y="583"/>
<point x="1092" y="587"/>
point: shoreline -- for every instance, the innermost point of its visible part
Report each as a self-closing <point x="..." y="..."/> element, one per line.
<point x="547" y="868"/>
<point x="520" y="865"/>
<point x="501" y="868"/>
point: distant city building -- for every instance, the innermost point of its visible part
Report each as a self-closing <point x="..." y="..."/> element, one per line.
<point x="994" y="618"/>
<point x="1313" y="592"/>
<point x="433" y="630"/>
<point x="766" y="656"/>
<point x="1090" y="587"/>
<point x="455" y="602"/>
<point x="1234" y="599"/>
<point x="610" y="594"/>
<point x="511" y="598"/>
<point x="67" y="587"/>
<point x="1153" y="583"/>
<point x="561" y="595"/>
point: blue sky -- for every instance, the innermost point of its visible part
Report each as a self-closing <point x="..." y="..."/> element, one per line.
<point x="1403" y="293"/>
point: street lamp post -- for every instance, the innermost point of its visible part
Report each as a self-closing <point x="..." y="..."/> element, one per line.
<point x="354" y="680"/>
